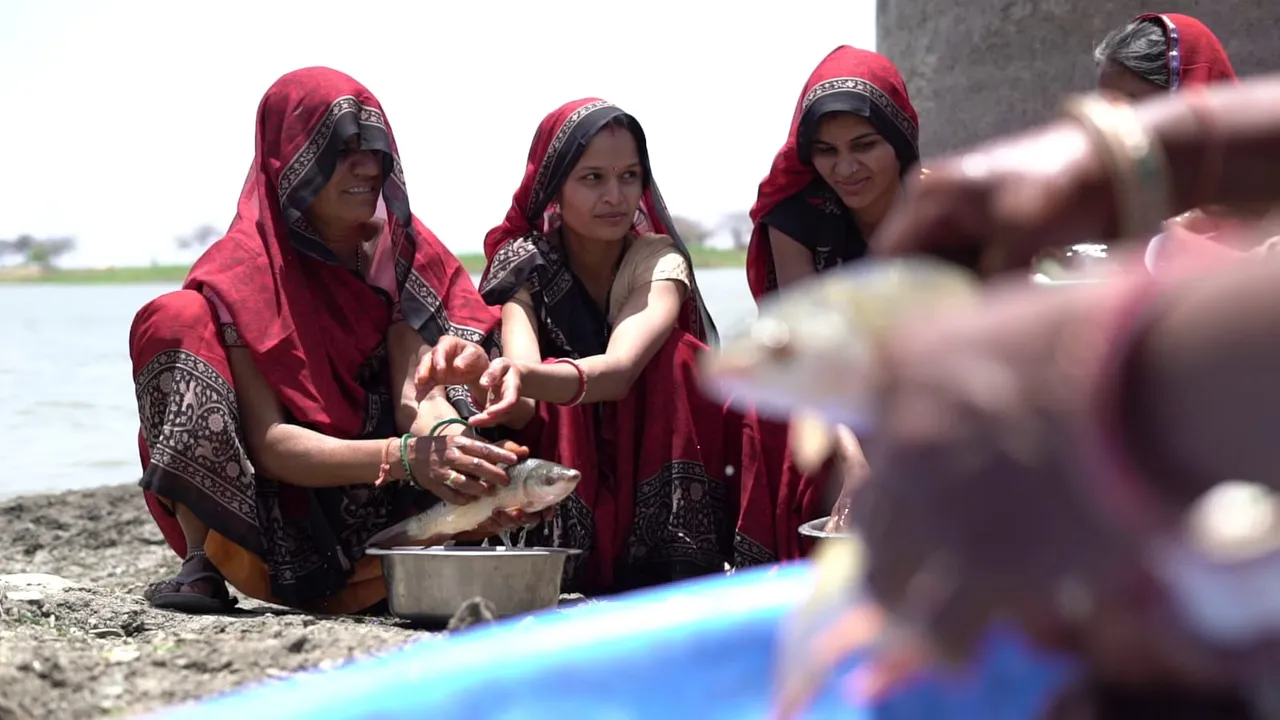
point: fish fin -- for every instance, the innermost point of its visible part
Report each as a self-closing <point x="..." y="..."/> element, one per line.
<point x="398" y="534"/>
<point x="811" y="439"/>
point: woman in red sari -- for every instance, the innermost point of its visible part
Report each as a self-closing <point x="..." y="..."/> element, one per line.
<point x="274" y="388"/>
<point x="1169" y="52"/>
<point x="602" y="325"/>
<point x="853" y="138"/>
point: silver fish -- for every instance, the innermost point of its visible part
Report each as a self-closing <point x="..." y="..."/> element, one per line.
<point x="535" y="486"/>
<point x="813" y="344"/>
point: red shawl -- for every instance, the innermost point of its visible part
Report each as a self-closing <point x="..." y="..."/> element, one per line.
<point x="673" y="484"/>
<point x="1196" y="57"/>
<point x="309" y="321"/>
<point x="846" y="70"/>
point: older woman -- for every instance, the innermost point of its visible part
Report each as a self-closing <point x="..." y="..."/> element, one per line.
<point x="1168" y="52"/>
<point x="853" y="137"/>
<point x="602" y="322"/>
<point x="275" y="388"/>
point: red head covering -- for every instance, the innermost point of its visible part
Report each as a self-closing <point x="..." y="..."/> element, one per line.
<point x="312" y="324"/>
<point x="516" y="250"/>
<point x="1196" y="56"/>
<point x="849" y="80"/>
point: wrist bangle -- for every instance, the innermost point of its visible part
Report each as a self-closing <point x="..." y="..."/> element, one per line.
<point x="1137" y="164"/>
<point x="435" y="429"/>
<point x="582" y="379"/>
<point x="404" y="457"/>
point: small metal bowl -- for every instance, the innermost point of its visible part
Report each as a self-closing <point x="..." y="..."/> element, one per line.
<point x="428" y="585"/>
<point x="814" y="528"/>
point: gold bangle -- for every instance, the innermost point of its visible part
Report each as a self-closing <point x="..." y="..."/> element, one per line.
<point x="1138" y="166"/>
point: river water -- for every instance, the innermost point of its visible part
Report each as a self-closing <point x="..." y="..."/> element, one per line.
<point x="68" y="418"/>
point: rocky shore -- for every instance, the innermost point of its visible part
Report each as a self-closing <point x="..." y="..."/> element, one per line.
<point x="78" y="641"/>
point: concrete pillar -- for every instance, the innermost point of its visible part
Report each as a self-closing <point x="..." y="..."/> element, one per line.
<point x="981" y="68"/>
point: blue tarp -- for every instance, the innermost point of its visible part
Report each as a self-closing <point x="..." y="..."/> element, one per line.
<point x="700" y="649"/>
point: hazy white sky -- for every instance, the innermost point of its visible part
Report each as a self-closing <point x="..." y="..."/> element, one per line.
<point x="128" y="124"/>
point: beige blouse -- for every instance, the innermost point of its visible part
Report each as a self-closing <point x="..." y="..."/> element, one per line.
<point x="650" y="258"/>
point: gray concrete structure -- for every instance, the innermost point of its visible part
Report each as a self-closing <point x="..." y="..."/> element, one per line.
<point x="980" y="68"/>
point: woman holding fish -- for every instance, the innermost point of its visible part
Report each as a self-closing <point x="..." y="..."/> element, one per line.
<point x="275" y="390"/>
<point x="1036" y="450"/>
<point x="602" y="321"/>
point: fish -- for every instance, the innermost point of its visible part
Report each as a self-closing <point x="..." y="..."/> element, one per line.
<point x="810" y="354"/>
<point x="535" y="486"/>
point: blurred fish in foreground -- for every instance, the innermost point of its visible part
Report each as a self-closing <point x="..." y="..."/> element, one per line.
<point x="811" y="352"/>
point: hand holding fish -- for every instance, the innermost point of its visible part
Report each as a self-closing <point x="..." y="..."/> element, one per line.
<point x="459" y="469"/>
<point x="994" y="207"/>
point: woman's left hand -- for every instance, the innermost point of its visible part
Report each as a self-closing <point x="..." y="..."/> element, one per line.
<point x="500" y="385"/>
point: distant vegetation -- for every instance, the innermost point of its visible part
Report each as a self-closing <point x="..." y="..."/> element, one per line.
<point x="36" y="258"/>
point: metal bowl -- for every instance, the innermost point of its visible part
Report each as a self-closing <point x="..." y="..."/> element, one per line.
<point x="428" y="585"/>
<point x="814" y="528"/>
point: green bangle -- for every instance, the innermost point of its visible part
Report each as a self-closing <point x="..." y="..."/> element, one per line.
<point x="404" y="456"/>
<point x="446" y="423"/>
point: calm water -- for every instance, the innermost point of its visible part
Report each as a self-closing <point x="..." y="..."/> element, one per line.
<point x="68" y="418"/>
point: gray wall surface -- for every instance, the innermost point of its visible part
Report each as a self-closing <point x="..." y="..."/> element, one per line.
<point x="980" y="68"/>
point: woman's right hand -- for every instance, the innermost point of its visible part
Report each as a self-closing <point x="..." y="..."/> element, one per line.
<point x="997" y="205"/>
<point x="459" y="469"/>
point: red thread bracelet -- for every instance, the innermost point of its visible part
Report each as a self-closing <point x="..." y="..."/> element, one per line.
<point x="582" y="379"/>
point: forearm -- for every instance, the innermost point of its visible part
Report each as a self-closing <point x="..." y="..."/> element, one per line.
<point x="1242" y="130"/>
<point x="306" y="458"/>
<point x="1203" y="393"/>
<point x="608" y="380"/>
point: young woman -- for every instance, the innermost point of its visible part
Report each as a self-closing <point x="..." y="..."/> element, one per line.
<point x="853" y="137"/>
<point x="602" y="323"/>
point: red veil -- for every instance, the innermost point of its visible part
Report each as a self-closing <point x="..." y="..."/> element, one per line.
<point x="674" y="485"/>
<point x="1196" y="56"/>
<point x="315" y="329"/>
<point x="851" y="80"/>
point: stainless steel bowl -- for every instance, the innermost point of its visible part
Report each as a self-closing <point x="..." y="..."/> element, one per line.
<point x="428" y="585"/>
<point x="813" y="528"/>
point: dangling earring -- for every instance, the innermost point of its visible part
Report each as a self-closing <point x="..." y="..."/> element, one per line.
<point x="551" y="218"/>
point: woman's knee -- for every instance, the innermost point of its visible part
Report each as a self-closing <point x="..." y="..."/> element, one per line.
<point x="173" y="313"/>
<point x="169" y="321"/>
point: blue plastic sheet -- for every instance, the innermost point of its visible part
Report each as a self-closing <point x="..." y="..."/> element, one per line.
<point x="700" y="649"/>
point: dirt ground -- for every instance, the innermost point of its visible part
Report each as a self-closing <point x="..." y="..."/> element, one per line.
<point x="85" y="644"/>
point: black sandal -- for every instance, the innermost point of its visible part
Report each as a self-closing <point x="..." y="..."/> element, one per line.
<point x="177" y="593"/>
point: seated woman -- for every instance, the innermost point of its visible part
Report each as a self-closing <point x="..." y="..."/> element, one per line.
<point x="602" y="323"/>
<point x="275" y="388"/>
<point x="853" y="138"/>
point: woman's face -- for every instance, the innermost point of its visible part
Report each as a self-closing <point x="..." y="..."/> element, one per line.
<point x="600" y="198"/>
<point x="855" y="161"/>
<point x="351" y="195"/>
<point x="1118" y="79"/>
